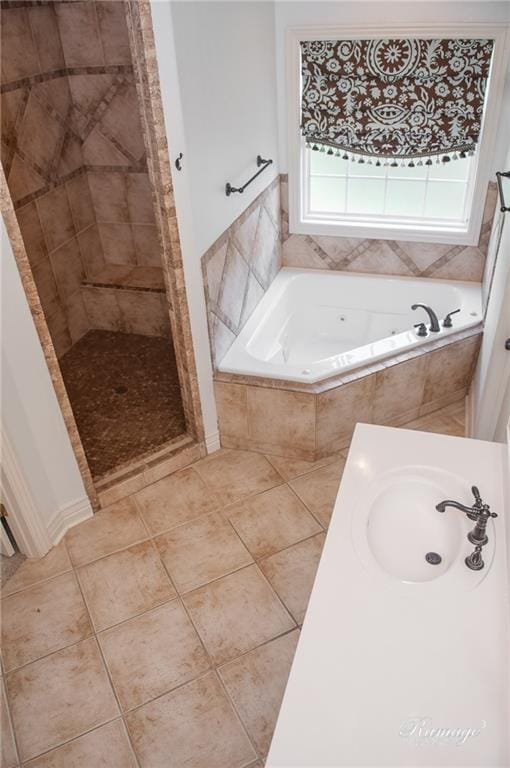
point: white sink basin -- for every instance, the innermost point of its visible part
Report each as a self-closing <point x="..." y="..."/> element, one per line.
<point x="397" y="529"/>
<point x="404" y="527"/>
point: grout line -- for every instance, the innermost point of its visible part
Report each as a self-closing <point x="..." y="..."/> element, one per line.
<point x="212" y="666"/>
<point x="10" y="719"/>
<point x="35" y="584"/>
<point x="107" y="670"/>
<point x="322" y="532"/>
<point x="114" y="552"/>
<point x="307" y="506"/>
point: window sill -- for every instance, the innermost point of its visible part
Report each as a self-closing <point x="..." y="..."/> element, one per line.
<point x="381" y="231"/>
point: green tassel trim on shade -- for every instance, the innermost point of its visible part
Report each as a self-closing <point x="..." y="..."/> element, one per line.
<point x="394" y="162"/>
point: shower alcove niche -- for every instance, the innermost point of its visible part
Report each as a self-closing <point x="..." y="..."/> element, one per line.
<point x="88" y="204"/>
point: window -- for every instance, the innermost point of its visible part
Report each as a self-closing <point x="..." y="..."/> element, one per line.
<point x="351" y="194"/>
<point x="338" y="190"/>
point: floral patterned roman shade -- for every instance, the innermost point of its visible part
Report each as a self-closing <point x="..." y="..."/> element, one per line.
<point x="389" y="99"/>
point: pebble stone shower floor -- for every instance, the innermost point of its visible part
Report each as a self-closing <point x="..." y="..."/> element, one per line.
<point x="160" y="632"/>
<point x="125" y="395"/>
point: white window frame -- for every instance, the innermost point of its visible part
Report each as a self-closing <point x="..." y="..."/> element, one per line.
<point x="435" y="232"/>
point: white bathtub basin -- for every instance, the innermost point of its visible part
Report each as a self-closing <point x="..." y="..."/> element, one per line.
<point x="312" y="324"/>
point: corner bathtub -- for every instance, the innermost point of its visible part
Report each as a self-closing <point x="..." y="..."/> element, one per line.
<point x="314" y="324"/>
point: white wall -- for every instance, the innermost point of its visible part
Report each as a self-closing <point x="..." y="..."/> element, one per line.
<point x="216" y="68"/>
<point x="288" y="14"/>
<point x="31" y="416"/>
<point x="500" y="435"/>
<point x="489" y="403"/>
<point x="226" y="63"/>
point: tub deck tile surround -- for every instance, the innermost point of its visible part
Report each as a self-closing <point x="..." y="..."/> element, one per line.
<point x="387" y="257"/>
<point x="239" y="267"/>
<point x="167" y="632"/>
<point x="310" y="421"/>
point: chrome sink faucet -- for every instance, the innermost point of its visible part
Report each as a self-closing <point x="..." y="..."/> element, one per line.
<point x="434" y="322"/>
<point x="479" y="512"/>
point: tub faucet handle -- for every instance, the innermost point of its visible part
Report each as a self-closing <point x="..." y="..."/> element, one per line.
<point x="447" y="322"/>
<point x="422" y="329"/>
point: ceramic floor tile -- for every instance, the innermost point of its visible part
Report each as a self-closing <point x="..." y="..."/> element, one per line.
<point x="109" y="530"/>
<point x="152" y="654"/>
<point x="456" y="411"/>
<point x="8" y="756"/>
<point x="124" y="584"/>
<point x="272" y="520"/>
<point x="195" y="724"/>
<point x="32" y="571"/>
<point x="292" y="573"/>
<point x="60" y="697"/>
<point x="43" y="619"/>
<point x="318" y="490"/>
<point x="291" y="468"/>
<point x="200" y="551"/>
<point x="439" y="423"/>
<point x="105" y="747"/>
<point x="237" y="613"/>
<point x="174" y="500"/>
<point x="234" y="475"/>
<point x="256" y="683"/>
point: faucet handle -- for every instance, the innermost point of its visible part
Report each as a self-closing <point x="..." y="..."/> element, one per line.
<point x="447" y="322"/>
<point x="476" y="494"/>
<point x="422" y="329"/>
<point x="479" y="505"/>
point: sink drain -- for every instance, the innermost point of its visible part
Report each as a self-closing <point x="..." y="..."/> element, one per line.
<point x="433" y="558"/>
<point x="120" y="390"/>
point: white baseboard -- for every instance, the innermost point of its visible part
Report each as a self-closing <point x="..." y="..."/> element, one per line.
<point x="212" y="442"/>
<point x="68" y="516"/>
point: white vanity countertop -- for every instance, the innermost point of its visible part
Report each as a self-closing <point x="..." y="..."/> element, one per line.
<point x="380" y="660"/>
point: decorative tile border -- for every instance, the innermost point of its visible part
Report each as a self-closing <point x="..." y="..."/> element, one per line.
<point x="43" y="77"/>
<point x="311" y="425"/>
<point x="239" y="268"/>
<point x="388" y="257"/>
<point x="142" y="44"/>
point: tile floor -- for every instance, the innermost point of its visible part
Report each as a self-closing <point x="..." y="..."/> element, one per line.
<point x="125" y="395"/>
<point x="160" y="633"/>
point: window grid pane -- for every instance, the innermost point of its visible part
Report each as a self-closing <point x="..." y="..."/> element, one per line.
<point x="442" y="196"/>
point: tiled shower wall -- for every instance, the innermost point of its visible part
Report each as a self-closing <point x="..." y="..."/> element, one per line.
<point x="240" y="266"/>
<point x="74" y="155"/>
<point x="388" y="257"/>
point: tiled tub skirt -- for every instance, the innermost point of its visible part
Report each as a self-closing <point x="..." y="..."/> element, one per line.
<point x="312" y="421"/>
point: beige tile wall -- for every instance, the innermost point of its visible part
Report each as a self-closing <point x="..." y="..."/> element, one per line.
<point x="127" y="311"/>
<point x="74" y="155"/>
<point x="312" y="424"/>
<point x="387" y="257"/>
<point x="239" y="267"/>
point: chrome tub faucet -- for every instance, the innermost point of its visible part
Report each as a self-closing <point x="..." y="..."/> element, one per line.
<point x="434" y="322"/>
<point x="479" y="512"/>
